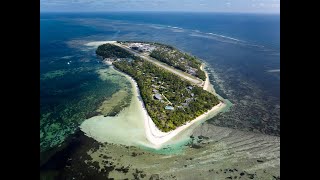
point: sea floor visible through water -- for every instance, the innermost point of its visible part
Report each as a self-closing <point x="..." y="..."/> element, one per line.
<point x="243" y="65"/>
<point x="228" y="153"/>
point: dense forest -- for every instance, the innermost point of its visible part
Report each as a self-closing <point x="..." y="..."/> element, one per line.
<point x="188" y="101"/>
<point x="179" y="60"/>
<point x="112" y="51"/>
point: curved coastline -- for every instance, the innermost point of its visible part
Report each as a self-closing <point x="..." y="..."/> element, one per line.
<point x="153" y="134"/>
<point x="149" y="134"/>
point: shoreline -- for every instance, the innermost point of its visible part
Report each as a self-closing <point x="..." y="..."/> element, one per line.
<point x="157" y="137"/>
<point x="206" y="84"/>
<point x="153" y="134"/>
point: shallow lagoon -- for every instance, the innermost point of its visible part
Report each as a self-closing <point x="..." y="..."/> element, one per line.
<point x="127" y="127"/>
<point x="240" y="71"/>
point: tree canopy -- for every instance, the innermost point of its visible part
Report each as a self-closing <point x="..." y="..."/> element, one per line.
<point x="188" y="101"/>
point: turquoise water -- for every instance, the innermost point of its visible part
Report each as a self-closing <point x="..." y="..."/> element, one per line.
<point x="175" y="148"/>
<point x="240" y="52"/>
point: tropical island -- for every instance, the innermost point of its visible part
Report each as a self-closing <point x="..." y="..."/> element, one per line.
<point x="172" y="84"/>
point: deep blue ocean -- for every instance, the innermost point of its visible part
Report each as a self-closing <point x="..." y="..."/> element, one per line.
<point x="242" y="53"/>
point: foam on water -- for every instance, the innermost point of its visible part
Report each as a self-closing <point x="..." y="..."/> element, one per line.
<point x="274" y="70"/>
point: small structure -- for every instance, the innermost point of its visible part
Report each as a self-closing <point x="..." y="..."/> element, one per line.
<point x="184" y="104"/>
<point x="155" y="91"/>
<point x="190" y="87"/>
<point x="157" y="96"/>
<point x="134" y="47"/>
<point x="169" y="108"/>
<point x="192" y="94"/>
<point x="191" y="71"/>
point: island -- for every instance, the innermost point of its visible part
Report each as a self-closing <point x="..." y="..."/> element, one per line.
<point x="172" y="84"/>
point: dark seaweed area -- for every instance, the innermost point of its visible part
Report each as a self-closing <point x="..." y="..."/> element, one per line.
<point x="71" y="90"/>
<point x="72" y="161"/>
<point x="67" y="101"/>
<point x="68" y="163"/>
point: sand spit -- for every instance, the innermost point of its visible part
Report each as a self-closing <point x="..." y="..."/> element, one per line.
<point x="98" y="43"/>
<point x="133" y="125"/>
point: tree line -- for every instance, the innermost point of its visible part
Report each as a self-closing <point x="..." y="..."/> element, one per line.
<point x="147" y="75"/>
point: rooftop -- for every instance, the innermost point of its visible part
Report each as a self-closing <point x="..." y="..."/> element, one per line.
<point x="169" y="108"/>
<point x="158" y="96"/>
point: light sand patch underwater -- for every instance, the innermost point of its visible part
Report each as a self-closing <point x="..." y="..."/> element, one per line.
<point x="111" y="103"/>
<point x="62" y="72"/>
<point x="223" y="153"/>
<point x="119" y="100"/>
<point x="95" y="44"/>
<point x="127" y="128"/>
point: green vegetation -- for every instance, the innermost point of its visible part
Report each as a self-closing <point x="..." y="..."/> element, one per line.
<point x="112" y="51"/>
<point x="179" y="60"/>
<point x="188" y="101"/>
<point x="147" y="42"/>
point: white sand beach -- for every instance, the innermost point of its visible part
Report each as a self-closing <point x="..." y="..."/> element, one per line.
<point x="98" y="43"/>
<point x="207" y="85"/>
<point x="126" y="128"/>
<point x="157" y="137"/>
<point x="206" y="82"/>
<point x="134" y="126"/>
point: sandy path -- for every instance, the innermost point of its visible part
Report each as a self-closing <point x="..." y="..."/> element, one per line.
<point x="184" y="75"/>
<point x="156" y="137"/>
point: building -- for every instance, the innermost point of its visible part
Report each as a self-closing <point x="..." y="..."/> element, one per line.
<point x="134" y="47"/>
<point x="191" y="71"/>
<point x="169" y="108"/>
<point x="184" y="104"/>
<point x="157" y="96"/>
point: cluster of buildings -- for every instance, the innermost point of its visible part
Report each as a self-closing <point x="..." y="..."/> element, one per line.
<point x="192" y="71"/>
<point x="180" y="60"/>
<point x="160" y="97"/>
<point x="188" y="99"/>
<point x="142" y="47"/>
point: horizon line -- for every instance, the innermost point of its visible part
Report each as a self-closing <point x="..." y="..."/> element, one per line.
<point x="225" y="12"/>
